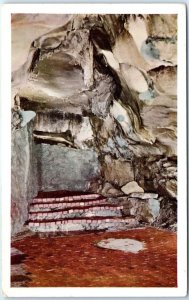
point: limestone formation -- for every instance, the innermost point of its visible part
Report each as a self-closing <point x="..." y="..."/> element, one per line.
<point x="102" y="91"/>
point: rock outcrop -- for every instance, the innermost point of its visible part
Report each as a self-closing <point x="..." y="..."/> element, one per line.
<point x="103" y="89"/>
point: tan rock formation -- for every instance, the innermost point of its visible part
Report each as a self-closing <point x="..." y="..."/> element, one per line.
<point x="132" y="187"/>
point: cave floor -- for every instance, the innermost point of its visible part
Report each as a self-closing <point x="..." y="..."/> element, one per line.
<point x="75" y="260"/>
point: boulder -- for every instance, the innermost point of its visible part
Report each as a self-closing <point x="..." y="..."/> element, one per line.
<point x="132" y="187"/>
<point x="146" y="211"/>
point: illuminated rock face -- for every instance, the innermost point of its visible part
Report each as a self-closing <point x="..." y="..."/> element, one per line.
<point x="103" y="86"/>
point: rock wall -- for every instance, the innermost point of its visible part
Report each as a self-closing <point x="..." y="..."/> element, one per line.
<point x="103" y="88"/>
<point x="158" y="174"/>
<point x="24" y="185"/>
<point x="67" y="169"/>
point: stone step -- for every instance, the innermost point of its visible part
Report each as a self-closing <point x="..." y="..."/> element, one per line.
<point x="58" y="215"/>
<point x="66" y="198"/>
<point x="61" y="204"/>
<point x="58" y="211"/>
<point x="80" y="208"/>
<point x="98" y="210"/>
<point x="77" y="224"/>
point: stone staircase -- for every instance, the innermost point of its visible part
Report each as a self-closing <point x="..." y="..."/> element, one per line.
<point x="76" y="212"/>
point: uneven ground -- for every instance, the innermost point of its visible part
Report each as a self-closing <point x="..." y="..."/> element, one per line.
<point x="74" y="260"/>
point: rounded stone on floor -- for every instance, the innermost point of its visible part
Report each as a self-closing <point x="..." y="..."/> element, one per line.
<point x="126" y="245"/>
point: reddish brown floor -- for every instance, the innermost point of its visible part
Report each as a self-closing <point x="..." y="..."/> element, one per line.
<point x="75" y="261"/>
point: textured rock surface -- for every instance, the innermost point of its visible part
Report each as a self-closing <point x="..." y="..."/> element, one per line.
<point x="36" y="25"/>
<point x="117" y="171"/>
<point x="24" y="185"/>
<point x="103" y="88"/>
<point x="62" y="168"/>
<point x="145" y="207"/>
<point x="145" y="211"/>
<point x="92" y="58"/>
<point x="132" y="187"/>
<point x="157" y="175"/>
